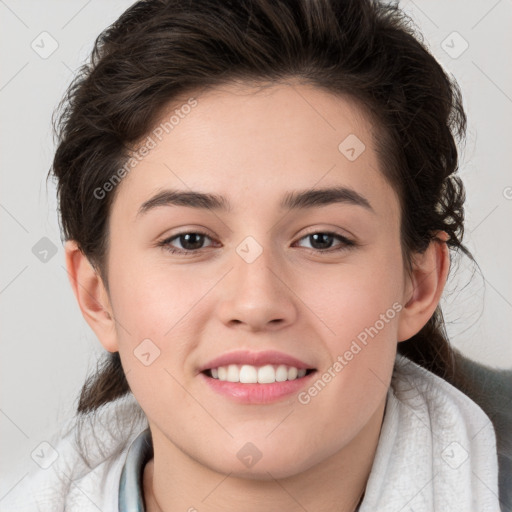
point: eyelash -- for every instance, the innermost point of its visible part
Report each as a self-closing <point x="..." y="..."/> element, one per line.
<point x="346" y="244"/>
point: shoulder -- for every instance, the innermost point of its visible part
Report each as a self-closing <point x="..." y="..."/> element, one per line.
<point x="448" y="431"/>
<point x="81" y="464"/>
<point x="419" y="388"/>
<point x="436" y="447"/>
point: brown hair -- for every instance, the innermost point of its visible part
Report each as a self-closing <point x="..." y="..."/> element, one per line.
<point x="363" y="49"/>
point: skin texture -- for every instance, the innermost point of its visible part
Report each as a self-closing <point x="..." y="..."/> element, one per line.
<point x="253" y="146"/>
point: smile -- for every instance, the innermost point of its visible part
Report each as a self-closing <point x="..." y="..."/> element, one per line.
<point x="269" y="390"/>
<point x="249" y="374"/>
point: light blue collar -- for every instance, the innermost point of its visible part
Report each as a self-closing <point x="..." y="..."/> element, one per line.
<point x="131" y="495"/>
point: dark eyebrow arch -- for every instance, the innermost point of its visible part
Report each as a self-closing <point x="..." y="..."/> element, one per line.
<point x="291" y="201"/>
<point x="323" y="197"/>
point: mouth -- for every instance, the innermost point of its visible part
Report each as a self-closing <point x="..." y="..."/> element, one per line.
<point x="249" y="374"/>
<point x="257" y="385"/>
<point x="263" y="377"/>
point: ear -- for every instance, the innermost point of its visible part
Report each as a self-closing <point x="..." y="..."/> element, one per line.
<point x="91" y="295"/>
<point x="424" y="286"/>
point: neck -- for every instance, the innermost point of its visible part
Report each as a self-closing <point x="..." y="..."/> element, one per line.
<point x="337" y="484"/>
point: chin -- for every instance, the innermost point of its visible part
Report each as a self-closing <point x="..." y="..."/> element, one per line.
<point x="267" y="464"/>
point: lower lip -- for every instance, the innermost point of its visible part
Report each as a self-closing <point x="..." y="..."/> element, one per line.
<point x="257" y="393"/>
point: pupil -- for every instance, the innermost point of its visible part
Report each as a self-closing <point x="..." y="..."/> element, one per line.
<point x="321" y="238"/>
<point x="191" y="241"/>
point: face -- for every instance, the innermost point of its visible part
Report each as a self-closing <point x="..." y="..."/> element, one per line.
<point x="320" y="279"/>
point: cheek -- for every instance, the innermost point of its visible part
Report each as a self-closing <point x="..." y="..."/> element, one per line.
<point x="359" y="307"/>
<point x="160" y="310"/>
<point x="352" y="299"/>
<point x="152" y="299"/>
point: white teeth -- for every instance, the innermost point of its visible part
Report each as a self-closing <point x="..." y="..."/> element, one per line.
<point x="281" y="373"/>
<point x="233" y="373"/>
<point x="248" y="374"/>
<point x="266" y="374"/>
<point x="292" y="373"/>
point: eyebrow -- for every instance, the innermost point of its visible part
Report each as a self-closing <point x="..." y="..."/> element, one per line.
<point x="291" y="201"/>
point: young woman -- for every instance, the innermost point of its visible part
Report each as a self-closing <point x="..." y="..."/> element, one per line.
<point x="259" y="201"/>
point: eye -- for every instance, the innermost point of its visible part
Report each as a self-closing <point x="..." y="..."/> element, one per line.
<point x="190" y="241"/>
<point x="322" y="241"/>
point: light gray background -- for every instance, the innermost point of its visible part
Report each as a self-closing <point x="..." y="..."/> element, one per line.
<point x="47" y="347"/>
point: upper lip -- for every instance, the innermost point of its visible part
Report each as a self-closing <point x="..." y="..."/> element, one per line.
<point x="255" y="359"/>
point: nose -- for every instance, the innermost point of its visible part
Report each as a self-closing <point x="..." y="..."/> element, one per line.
<point x="257" y="296"/>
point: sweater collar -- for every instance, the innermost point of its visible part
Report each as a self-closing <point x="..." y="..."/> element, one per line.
<point x="131" y="496"/>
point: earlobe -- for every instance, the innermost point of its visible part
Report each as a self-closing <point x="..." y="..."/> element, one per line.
<point x="426" y="284"/>
<point x="91" y="296"/>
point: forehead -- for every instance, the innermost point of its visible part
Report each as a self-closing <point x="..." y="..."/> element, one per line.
<point x="252" y="144"/>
